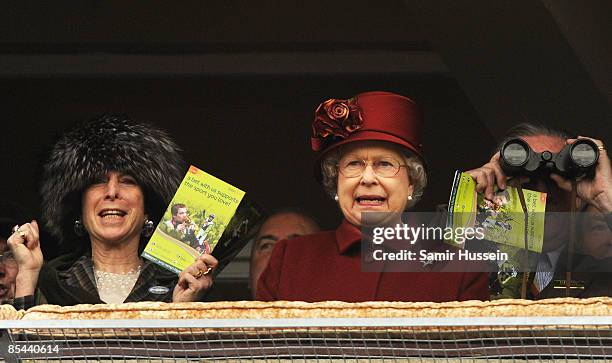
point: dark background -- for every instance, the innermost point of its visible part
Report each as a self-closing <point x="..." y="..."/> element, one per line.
<point x="236" y="82"/>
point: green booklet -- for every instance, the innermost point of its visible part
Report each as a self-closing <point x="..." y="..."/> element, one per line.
<point x="201" y="209"/>
<point x="502" y="219"/>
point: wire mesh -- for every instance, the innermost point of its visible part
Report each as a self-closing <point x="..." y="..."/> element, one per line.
<point x="452" y="339"/>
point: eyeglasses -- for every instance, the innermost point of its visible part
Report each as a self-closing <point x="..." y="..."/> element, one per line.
<point x="352" y="167"/>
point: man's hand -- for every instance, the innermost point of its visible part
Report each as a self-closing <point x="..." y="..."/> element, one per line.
<point x="488" y="175"/>
<point x="597" y="191"/>
<point x="195" y="280"/>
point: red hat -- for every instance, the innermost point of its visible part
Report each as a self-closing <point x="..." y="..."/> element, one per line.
<point x="380" y="116"/>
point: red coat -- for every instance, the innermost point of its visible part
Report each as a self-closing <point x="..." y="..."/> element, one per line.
<point x="327" y="266"/>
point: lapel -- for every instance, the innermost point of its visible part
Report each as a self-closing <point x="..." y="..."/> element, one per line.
<point x="78" y="282"/>
<point x="153" y="276"/>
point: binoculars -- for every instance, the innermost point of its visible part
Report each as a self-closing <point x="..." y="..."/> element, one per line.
<point x="574" y="160"/>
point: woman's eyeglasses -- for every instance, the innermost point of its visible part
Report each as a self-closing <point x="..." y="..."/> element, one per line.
<point x="352" y="167"/>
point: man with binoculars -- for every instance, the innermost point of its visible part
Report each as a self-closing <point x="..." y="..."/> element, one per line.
<point x="548" y="160"/>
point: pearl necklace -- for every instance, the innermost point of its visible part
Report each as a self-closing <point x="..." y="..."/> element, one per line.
<point x="113" y="287"/>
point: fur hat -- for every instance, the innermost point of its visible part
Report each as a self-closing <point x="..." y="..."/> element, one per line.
<point x="96" y="147"/>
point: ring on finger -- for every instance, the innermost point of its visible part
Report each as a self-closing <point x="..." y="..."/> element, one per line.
<point x="18" y="230"/>
<point x="201" y="273"/>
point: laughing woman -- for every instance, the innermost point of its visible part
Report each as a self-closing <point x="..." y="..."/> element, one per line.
<point x="105" y="186"/>
<point x="370" y="161"/>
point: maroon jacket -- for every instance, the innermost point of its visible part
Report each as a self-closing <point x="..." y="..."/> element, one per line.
<point x="327" y="266"/>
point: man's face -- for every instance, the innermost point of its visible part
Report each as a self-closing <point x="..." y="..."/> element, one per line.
<point x="276" y="228"/>
<point x="8" y="272"/>
<point x="181" y="215"/>
<point x="558" y="201"/>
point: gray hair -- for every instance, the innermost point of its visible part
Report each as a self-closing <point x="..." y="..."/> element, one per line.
<point x="533" y="129"/>
<point x="416" y="174"/>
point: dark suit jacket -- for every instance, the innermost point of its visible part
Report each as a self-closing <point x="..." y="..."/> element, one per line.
<point x="327" y="266"/>
<point x="592" y="277"/>
<point x="64" y="281"/>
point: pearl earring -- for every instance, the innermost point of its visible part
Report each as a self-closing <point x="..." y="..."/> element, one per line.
<point x="336" y="197"/>
<point x="410" y="197"/>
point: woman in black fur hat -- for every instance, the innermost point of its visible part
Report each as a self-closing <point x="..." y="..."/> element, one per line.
<point x="106" y="184"/>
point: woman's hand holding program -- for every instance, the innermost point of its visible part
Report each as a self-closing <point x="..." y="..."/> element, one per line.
<point x="195" y="280"/>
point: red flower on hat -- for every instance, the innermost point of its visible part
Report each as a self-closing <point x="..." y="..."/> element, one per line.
<point x="336" y="119"/>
